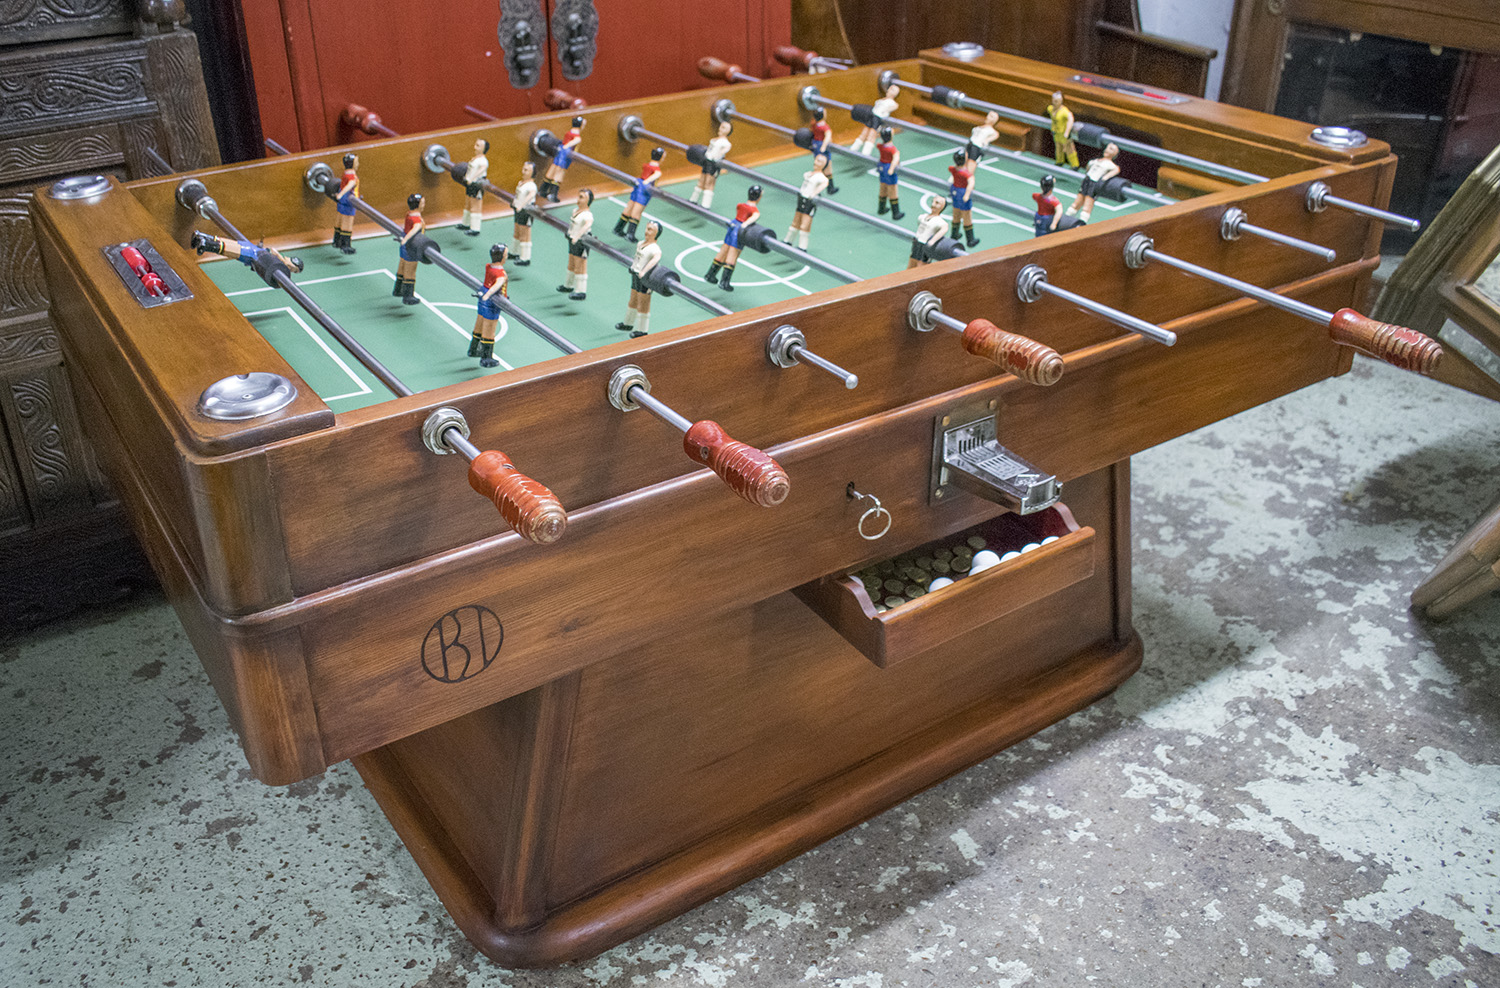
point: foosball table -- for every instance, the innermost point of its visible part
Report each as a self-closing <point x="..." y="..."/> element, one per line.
<point x="640" y="682"/>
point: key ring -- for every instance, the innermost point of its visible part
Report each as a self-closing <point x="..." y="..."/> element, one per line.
<point x="874" y="511"/>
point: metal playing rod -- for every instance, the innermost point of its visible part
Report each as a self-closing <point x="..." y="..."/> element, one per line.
<point x="1100" y="136"/>
<point x="719" y="70"/>
<point x="276" y="147"/>
<point x="787" y="347"/>
<point x="631" y="128"/>
<point x="437" y="159"/>
<point x="725" y="110"/>
<point x="1032" y="284"/>
<point x="320" y="178"/>
<point x="1396" y="345"/>
<point x="193" y="196"/>
<point x="162" y="163"/>
<point x="1235" y="223"/>
<point x="797" y="58"/>
<point x="1022" y="356"/>
<point x="367" y="120"/>
<point x="475" y="111"/>
<point x="749" y="472"/>
<point x="776" y="183"/>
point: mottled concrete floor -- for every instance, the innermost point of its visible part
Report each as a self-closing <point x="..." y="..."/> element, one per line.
<point x="1299" y="788"/>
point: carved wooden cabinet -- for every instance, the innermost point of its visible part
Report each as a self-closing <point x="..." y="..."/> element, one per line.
<point x="85" y="86"/>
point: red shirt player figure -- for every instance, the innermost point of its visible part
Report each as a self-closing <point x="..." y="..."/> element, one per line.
<point x="1047" y="215"/>
<point x="343" y="229"/>
<point x="640" y="195"/>
<point x="745" y="214"/>
<point x="482" y="344"/>
<point x="577" y="283"/>
<point x="961" y="193"/>
<point x="406" y="271"/>
<point x="887" y="170"/>
<point x="822" y="140"/>
<point x="561" y="159"/>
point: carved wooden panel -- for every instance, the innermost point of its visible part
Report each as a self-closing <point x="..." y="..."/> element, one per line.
<point x="49" y="88"/>
<point x="13" y="514"/>
<point x="176" y="83"/>
<point x="22" y="287"/>
<point x="25" y="21"/>
<point x="48" y="444"/>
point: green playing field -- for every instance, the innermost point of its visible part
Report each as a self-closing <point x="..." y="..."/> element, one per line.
<point x="426" y="345"/>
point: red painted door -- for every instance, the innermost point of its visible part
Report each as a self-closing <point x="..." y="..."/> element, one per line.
<point x="418" y="64"/>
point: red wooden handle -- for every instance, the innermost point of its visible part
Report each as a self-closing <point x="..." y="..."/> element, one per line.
<point x="717" y="69"/>
<point x="1025" y="358"/>
<point x="793" y="57"/>
<point x="561" y="99"/>
<point x="526" y="505"/>
<point x="1405" y="348"/>
<point x="749" y="472"/>
<point x="362" y="118"/>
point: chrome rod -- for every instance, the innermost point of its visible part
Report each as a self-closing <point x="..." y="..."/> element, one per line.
<point x="1234" y="223"/>
<point x="1139" y="249"/>
<point x="1032" y="283"/>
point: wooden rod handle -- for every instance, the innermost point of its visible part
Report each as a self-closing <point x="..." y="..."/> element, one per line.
<point x="365" y="119"/>
<point x="1023" y="357"/>
<point x="526" y="505"/>
<point x="749" y="472"/>
<point x="793" y="57"/>
<point x="561" y="99"/>
<point x="717" y="69"/>
<point x="1405" y="348"/>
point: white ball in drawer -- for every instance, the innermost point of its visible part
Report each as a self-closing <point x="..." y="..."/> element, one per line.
<point x="983" y="560"/>
<point x="1030" y="546"/>
<point x="939" y="584"/>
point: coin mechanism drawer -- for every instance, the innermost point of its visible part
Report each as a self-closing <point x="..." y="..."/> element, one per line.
<point x="901" y="607"/>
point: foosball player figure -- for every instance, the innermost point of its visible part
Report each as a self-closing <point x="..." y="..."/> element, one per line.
<point x="343" y="228"/>
<point x="482" y="343"/>
<point x="525" y="197"/>
<point x="813" y="184"/>
<point x="930" y="229"/>
<point x="889" y="174"/>
<point x="474" y="175"/>
<point x="713" y="159"/>
<point x="577" y="283"/>
<point x="640" y="195"/>
<point x="745" y="214"/>
<point x="406" y="271"/>
<point x="982" y="137"/>
<point x="1047" y="214"/>
<point x="1098" y="172"/>
<point x="1063" y="148"/>
<point x="822" y="140"/>
<point x="241" y="250"/>
<point x="647" y="257"/>
<point x="961" y="192"/>
<point x="561" y="159"/>
<point x="883" y="108"/>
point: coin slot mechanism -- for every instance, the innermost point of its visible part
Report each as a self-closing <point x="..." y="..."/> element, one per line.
<point x="149" y="279"/>
<point x="966" y="455"/>
<point x="1036" y="555"/>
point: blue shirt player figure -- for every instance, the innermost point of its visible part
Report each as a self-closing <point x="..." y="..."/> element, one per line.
<point x="561" y="159"/>
<point x="745" y="214"/>
<point x="630" y="217"/>
<point x="343" y="230"/>
<point x="482" y="342"/>
<point x="241" y="250"/>
<point x="889" y="173"/>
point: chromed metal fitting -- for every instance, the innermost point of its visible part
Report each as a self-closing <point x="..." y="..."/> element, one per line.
<point x="964" y="51"/>
<point x="1343" y="138"/>
<point x="723" y="110"/>
<point x="1229" y="225"/>
<point x="1317" y="197"/>
<point x="193" y="196"/>
<point x="781" y="343"/>
<point x="630" y="127"/>
<point x="438" y="423"/>
<point x="1135" y="250"/>
<point x="884" y="80"/>
<point x="536" y="138"/>
<point x="957" y="99"/>
<point x="246" y="396"/>
<point x="920" y="310"/>
<point x="317" y="176"/>
<point x="431" y="155"/>
<point x="808" y="96"/>
<point x="620" y="383"/>
<point x="79" y="187"/>
<point x="1029" y="282"/>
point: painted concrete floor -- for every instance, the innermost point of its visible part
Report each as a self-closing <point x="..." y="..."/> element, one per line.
<point x="1299" y="788"/>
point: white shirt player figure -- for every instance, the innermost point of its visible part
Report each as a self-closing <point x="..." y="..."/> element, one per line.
<point x="1098" y="172"/>
<point x="883" y="108"/>
<point x="713" y="161"/>
<point x="577" y="282"/>
<point x="983" y="136"/>
<point x="647" y="257"/>
<point x="525" y="196"/>
<point x="813" y="185"/>
<point x="474" y="175"/>
<point x="930" y="229"/>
